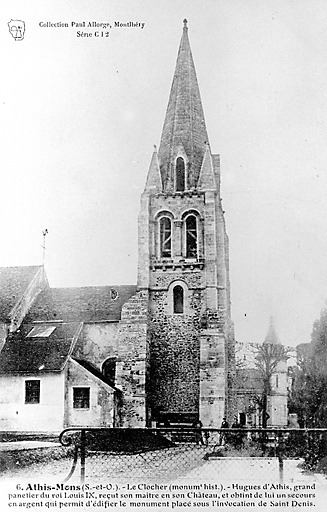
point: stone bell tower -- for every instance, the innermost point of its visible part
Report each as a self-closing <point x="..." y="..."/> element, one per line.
<point x="183" y="265"/>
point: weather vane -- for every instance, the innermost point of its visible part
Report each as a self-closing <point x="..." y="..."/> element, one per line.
<point x="44" y="233"/>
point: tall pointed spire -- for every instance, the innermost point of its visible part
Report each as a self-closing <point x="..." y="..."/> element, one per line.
<point x="271" y="337"/>
<point x="184" y="132"/>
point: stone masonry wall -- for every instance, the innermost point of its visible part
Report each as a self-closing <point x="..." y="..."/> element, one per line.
<point x="212" y="378"/>
<point x="175" y="355"/>
<point x="132" y="360"/>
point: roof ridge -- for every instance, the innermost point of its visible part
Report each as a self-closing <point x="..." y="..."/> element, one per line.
<point x="21" y="266"/>
<point x="91" y="286"/>
<point x="88" y="366"/>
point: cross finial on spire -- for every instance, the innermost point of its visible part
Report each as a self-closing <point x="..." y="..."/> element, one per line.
<point x="185" y="22"/>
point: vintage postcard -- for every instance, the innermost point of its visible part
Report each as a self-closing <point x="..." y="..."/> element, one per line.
<point x="162" y="266"/>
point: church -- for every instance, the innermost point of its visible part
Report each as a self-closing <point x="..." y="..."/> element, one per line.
<point x="156" y="353"/>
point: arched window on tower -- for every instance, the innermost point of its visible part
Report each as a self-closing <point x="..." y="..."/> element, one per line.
<point x="165" y="237"/>
<point x="180" y="175"/>
<point x="178" y="296"/>
<point x="191" y="237"/>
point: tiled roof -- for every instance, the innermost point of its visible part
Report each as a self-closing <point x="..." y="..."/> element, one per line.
<point x="35" y="354"/>
<point x="13" y="283"/>
<point x="87" y="304"/>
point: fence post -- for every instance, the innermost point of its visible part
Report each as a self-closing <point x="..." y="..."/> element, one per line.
<point x="82" y="456"/>
<point x="280" y="457"/>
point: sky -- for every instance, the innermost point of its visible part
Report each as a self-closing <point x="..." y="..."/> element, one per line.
<point x="79" y="117"/>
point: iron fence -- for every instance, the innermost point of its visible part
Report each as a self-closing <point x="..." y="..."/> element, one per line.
<point x="166" y="454"/>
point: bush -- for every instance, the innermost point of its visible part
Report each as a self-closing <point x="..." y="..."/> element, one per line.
<point x="126" y="441"/>
<point x="15" y="459"/>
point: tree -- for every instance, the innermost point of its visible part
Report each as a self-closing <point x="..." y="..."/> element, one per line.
<point x="246" y="381"/>
<point x="266" y="358"/>
<point x="309" y="397"/>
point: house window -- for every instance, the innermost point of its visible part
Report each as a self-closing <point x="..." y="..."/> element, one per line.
<point x="81" y="398"/>
<point x="178" y="294"/>
<point x="276" y="381"/>
<point x="165" y="237"/>
<point x="180" y="175"/>
<point x="32" y="392"/>
<point x="191" y="237"/>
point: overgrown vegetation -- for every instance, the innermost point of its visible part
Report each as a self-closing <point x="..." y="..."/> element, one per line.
<point x="248" y="449"/>
<point x="266" y="359"/>
<point x="308" y="393"/>
<point x="11" y="461"/>
<point x="126" y="441"/>
<point x="309" y="390"/>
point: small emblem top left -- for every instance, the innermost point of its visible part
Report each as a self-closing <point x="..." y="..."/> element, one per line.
<point x="17" y="29"/>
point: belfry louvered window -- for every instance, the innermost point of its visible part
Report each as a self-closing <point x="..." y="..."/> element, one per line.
<point x="191" y="237"/>
<point x="180" y="175"/>
<point x="165" y="237"/>
<point x="178" y="295"/>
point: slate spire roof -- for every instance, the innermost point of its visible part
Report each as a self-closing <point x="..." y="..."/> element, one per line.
<point x="271" y="337"/>
<point x="184" y="131"/>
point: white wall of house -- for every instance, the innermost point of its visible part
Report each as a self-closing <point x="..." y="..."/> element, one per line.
<point x="277" y="401"/>
<point x="277" y="409"/>
<point x="45" y="416"/>
<point x="100" y="411"/>
<point x="278" y="398"/>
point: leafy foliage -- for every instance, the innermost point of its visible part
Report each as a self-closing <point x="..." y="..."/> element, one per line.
<point x="309" y="393"/>
<point x="266" y="359"/>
